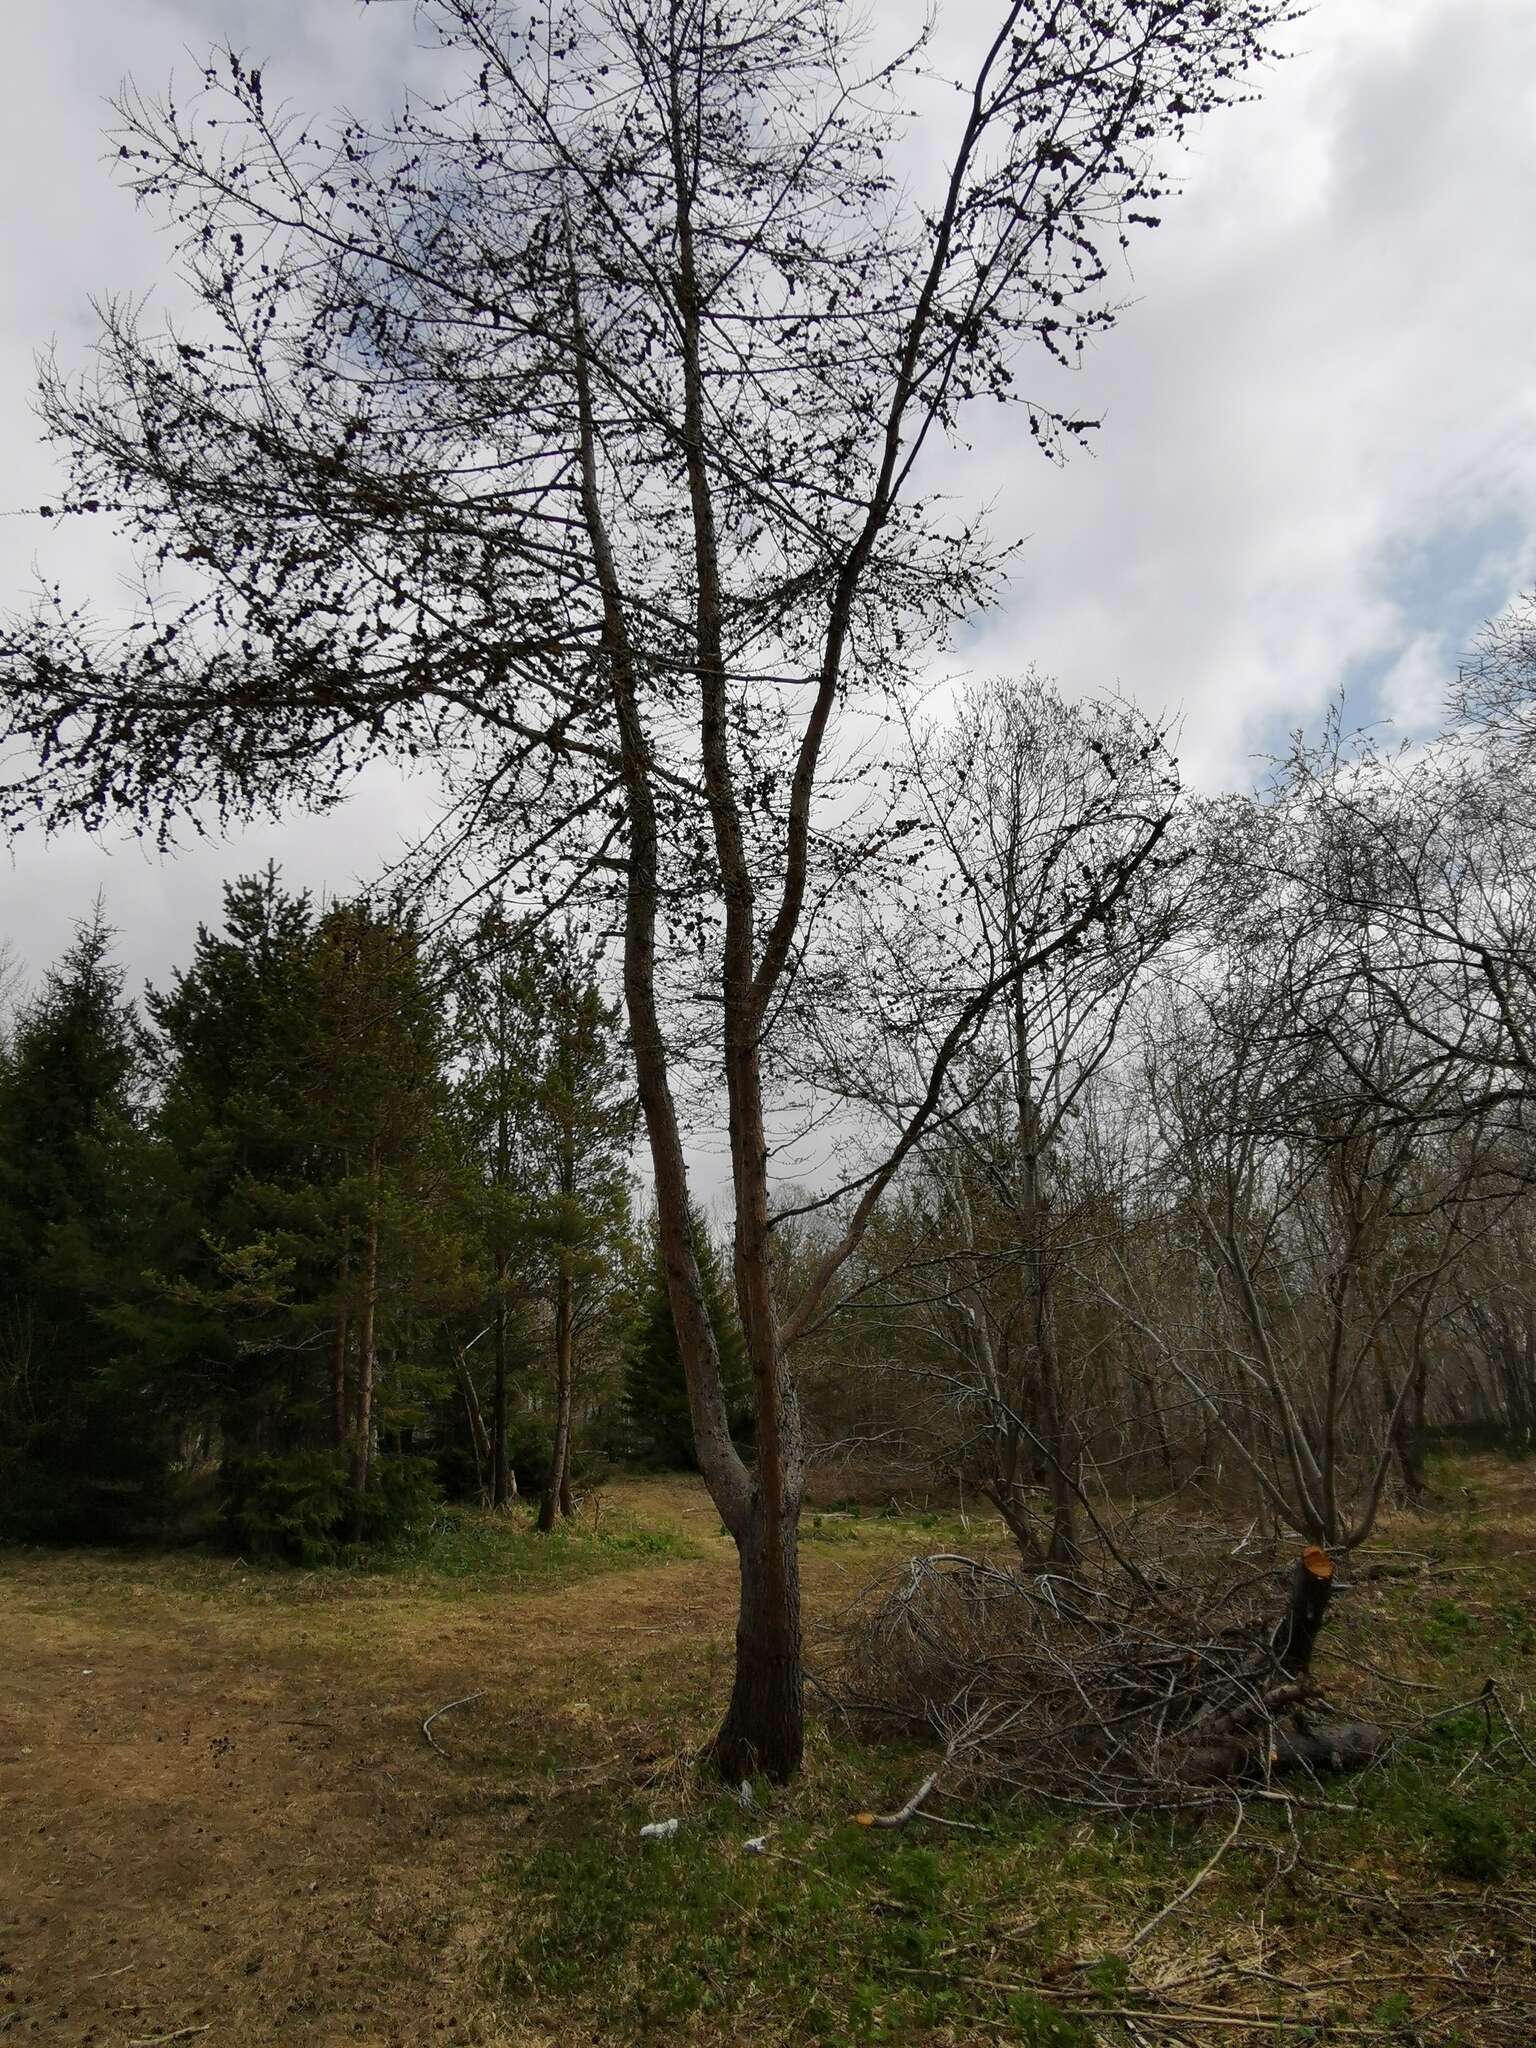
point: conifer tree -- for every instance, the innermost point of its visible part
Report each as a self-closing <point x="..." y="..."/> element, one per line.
<point x="657" y="1428"/>
<point x="81" y="1447"/>
<point x="230" y="1125"/>
<point x="310" y="1241"/>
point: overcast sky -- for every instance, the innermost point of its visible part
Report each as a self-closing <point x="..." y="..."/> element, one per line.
<point x="1318" y="463"/>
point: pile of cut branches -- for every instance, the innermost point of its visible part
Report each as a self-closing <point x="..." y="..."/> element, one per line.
<point x="1104" y="1686"/>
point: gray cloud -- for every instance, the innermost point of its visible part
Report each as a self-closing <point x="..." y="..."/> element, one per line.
<point x="1318" y="463"/>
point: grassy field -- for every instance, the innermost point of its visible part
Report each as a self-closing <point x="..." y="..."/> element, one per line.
<point x="221" y="1822"/>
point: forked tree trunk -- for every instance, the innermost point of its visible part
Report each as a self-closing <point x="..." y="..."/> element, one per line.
<point x="763" y="1728"/>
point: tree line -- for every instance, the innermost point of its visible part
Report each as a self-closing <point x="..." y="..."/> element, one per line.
<point x="1237" y="1193"/>
<point x="337" y="1224"/>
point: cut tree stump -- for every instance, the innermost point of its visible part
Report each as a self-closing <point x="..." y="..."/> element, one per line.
<point x="1296" y="1632"/>
<point x="1249" y="1741"/>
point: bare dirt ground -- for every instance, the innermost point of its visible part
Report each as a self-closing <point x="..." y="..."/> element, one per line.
<point x="218" y="1818"/>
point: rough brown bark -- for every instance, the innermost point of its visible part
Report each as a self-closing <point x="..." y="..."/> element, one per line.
<point x="763" y="1726"/>
<point x="763" y="1732"/>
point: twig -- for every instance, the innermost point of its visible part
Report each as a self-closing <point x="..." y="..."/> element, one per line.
<point x="426" y="1726"/>
<point x="1147" y="2015"/>
<point x="1195" y="1882"/>
<point x="963" y="1738"/>
<point x="181" y="2034"/>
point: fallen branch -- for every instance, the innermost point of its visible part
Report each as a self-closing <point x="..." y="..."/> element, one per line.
<point x="426" y="1726"/>
<point x="1194" y="1884"/>
<point x="903" y="1813"/>
<point x="964" y="1737"/>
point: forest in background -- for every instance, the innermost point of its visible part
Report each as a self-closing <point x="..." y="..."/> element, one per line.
<point x="1230" y="1197"/>
<point x="338" y="1225"/>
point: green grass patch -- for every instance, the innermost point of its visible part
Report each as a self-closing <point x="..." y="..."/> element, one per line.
<point x="481" y="1549"/>
<point x="1012" y="1935"/>
<point x="839" y="1933"/>
<point x="461" y="1551"/>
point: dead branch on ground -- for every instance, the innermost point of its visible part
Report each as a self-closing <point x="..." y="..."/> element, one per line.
<point x="1075" y="1686"/>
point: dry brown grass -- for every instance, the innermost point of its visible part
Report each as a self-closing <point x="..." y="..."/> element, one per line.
<point x="218" y="1807"/>
<point x="220" y="1813"/>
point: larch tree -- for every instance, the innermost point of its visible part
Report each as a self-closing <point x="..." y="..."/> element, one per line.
<point x="571" y="432"/>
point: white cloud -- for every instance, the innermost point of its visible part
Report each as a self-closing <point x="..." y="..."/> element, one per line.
<point x="1318" y="463"/>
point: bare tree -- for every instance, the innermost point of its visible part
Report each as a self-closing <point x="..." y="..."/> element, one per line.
<point x="1023" y="793"/>
<point x="1321" y="1232"/>
<point x="1428" y="857"/>
<point x="567" y="434"/>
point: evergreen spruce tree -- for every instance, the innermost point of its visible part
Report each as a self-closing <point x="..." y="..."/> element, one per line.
<point x="373" y="1063"/>
<point x="83" y="1449"/>
<point x="657" y="1427"/>
<point x="231" y="1128"/>
<point x="309" y="1244"/>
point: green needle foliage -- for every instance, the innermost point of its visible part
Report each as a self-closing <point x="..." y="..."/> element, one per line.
<point x="657" y="1429"/>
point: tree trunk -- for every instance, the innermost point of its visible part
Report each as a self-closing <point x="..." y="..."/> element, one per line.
<point x="339" y="1383"/>
<point x="362" y="1444"/>
<point x="764" y="1727"/>
<point x="339" y="1356"/>
<point x="1412" y="1437"/>
<point x="1063" y="1547"/>
<point x="503" y="1479"/>
<point x="764" y="1721"/>
<point x="1297" y="1630"/>
<point x="557" y="1493"/>
<point x="478" y="1434"/>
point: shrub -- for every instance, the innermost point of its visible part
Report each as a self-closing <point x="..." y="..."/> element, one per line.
<point x="302" y="1508"/>
<point x="1473" y="1840"/>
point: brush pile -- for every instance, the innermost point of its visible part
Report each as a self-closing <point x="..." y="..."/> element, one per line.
<point x="1105" y="1687"/>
